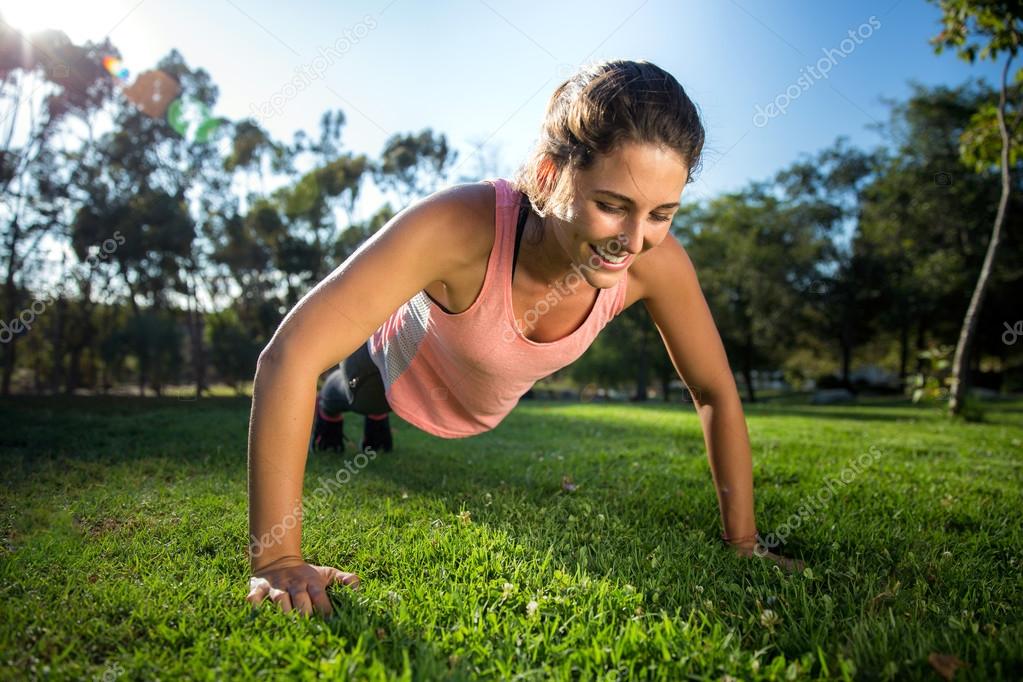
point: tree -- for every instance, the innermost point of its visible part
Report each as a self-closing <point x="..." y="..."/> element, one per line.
<point x="412" y="165"/>
<point x="921" y="219"/>
<point x="46" y="80"/>
<point x="155" y="339"/>
<point x="234" y="350"/>
<point x="985" y="29"/>
<point x="627" y="350"/>
<point x="825" y="190"/>
<point x="756" y="255"/>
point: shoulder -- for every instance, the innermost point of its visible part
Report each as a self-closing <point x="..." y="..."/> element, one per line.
<point x="458" y="222"/>
<point x="463" y="220"/>
<point x="663" y="271"/>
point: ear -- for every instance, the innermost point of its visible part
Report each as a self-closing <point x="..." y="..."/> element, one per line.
<point x="547" y="175"/>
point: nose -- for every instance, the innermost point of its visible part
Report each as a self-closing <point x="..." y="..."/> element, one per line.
<point x="632" y="237"/>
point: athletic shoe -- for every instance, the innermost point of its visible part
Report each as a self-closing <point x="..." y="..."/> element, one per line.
<point x="377" y="435"/>
<point x="328" y="431"/>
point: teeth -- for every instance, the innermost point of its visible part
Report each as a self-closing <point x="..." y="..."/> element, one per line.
<point x="608" y="257"/>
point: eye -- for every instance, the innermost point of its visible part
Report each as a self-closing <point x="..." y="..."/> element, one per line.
<point x="607" y="208"/>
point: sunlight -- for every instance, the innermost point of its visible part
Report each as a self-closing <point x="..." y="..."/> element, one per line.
<point x="80" y="19"/>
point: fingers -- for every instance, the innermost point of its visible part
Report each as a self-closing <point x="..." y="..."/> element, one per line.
<point x="293" y="598"/>
<point x="787" y="563"/>
<point x="300" y="600"/>
<point x="282" y="598"/>
<point x="320" y="600"/>
<point x="349" y="579"/>
<point x="305" y="596"/>
<point x="796" y="565"/>
<point x="333" y="575"/>
<point x="258" y="589"/>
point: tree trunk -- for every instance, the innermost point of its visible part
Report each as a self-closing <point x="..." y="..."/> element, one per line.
<point x="195" y="330"/>
<point x="74" y="371"/>
<point x="11" y="309"/>
<point x="921" y="341"/>
<point x="642" y="368"/>
<point x="846" y="358"/>
<point x="84" y="340"/>
<point x="10" y="354"/>
<point x="747" y="364"/>
<point x="57" y="343"/>
<point x="903" y="352"/>
<point x="960" y="372"/>
<point x="200" y="356"/>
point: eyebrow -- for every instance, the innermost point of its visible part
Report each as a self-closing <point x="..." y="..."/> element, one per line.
<point x="622" y="197"/>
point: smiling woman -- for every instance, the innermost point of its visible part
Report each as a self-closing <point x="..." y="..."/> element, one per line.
<point x="439" y="341"/>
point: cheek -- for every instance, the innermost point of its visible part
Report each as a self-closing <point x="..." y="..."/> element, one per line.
<point x="580" y="228"/>
<point x="655" y="238"/>
<point x="597" y="225"/>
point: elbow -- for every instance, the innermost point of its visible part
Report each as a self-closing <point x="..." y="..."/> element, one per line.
<point x="721" y="396"/>
<point x="271" y="356"/>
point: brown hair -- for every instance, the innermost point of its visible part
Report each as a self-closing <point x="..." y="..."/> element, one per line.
<point x="598" y="108"/>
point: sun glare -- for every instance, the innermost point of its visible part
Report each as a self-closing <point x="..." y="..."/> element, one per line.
<point x="79" y="20"/>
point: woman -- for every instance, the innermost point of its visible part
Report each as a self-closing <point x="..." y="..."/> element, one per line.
<point x="448" y="315"/>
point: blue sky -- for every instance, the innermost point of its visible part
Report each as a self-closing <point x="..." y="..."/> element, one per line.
<point x="480" y="70"/>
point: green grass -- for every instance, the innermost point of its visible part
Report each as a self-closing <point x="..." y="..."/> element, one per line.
<point x="124" y="528"/>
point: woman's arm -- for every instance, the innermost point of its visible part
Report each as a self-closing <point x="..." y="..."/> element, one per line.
<point x="673" y="297"/>
<point x="419" y="245"/>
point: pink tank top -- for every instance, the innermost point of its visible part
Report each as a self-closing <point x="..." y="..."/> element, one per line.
<point x="457" y="375"/>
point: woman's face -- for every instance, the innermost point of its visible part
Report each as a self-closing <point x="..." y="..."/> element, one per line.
<point x="623" y="206"/>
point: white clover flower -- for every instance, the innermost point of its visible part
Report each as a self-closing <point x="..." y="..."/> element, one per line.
<point x="769" y="618"/>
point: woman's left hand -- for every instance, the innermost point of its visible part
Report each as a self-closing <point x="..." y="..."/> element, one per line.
<point x="785" y="563"/>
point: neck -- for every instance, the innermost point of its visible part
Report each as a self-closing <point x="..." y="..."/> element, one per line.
<point x="547" y="261"/>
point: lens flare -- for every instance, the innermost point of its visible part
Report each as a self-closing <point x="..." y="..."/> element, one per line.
<point x="113" y="65"/>
<point x="153" y="92"/>
<point x="157" y="95"/>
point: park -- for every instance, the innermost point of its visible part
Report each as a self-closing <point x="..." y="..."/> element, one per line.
<point x="771" y="430"/>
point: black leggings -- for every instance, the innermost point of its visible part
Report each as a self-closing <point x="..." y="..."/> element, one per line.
<point x="355" y="386"/>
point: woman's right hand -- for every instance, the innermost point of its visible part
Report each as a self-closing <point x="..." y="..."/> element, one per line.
<point x="293" y="584"/>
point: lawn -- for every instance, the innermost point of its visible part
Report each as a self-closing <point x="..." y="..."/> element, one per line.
<point x="124" y="525"/>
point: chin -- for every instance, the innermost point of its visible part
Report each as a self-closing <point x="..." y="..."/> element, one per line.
<point x="604" y="279"/>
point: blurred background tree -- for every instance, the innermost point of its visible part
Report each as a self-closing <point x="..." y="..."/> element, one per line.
<point x="154" y="261"/>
